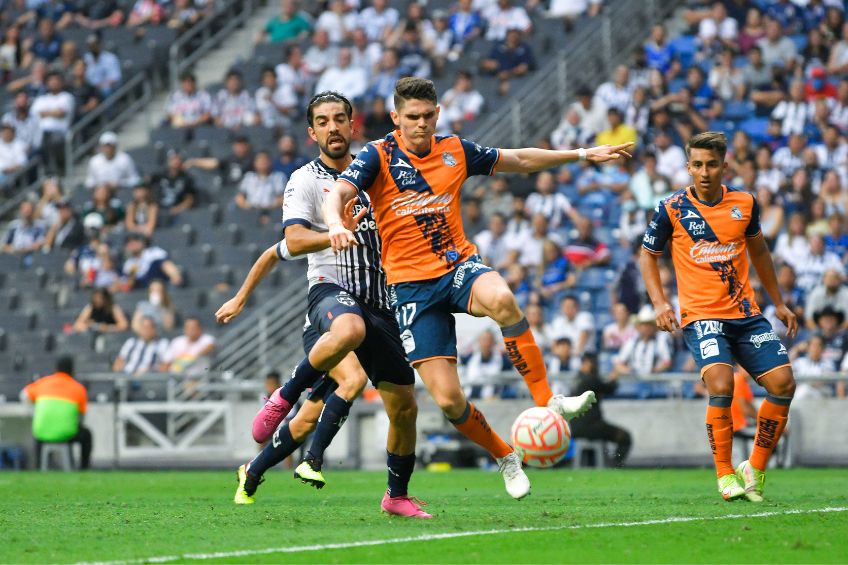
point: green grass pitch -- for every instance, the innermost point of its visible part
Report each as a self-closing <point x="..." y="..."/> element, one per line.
<point x="114" y="516"/>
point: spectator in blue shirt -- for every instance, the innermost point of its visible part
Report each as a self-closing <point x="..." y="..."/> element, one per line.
<point x="466" y="23"/>
<point x="46" y="45"/>
<point x="512" y="58"/>
<point x="657" y="50"/>
<point x="555" y="276"/>
<point x="702" y="94"/>
<point x="103" y="69"/>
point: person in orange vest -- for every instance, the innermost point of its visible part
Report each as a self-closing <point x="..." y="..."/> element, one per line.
<point x="60" y="403"/>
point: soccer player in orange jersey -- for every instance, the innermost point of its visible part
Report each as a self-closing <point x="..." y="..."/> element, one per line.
<point x="414" y="180"/>
<point x="713" y="231"/>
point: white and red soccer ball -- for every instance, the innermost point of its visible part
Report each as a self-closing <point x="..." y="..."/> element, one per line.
<point x="540" y="437"/>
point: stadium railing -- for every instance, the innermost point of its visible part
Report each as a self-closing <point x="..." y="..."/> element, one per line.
<point x="20" y="184"/>
<point x="267" y="337"/>
<point x="206" y="35"/>
<point x="596" y="48"/>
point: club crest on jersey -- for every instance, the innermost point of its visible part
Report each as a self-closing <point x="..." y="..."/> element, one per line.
<point x="736" y="213"/>
<point x="345" y="299"/>
<point x="448" y="159"/>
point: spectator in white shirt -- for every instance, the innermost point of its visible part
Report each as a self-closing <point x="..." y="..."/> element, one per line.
<point x="186" y="352"/>
<point x="792" y="245"/>
<point x="528" y="246"/>
<point x="791" y="158"/>
<point x="831" y="293"/>
<point x="777" y="50"/>
<point x="365" y="54"/>
<point x="811" y="269"/>
<point x="378" y="20"/>
<point x="146" y="263"/>
<point x="293" y="73"/>
<point x="275" y="104"/>
<point x="26" y="124"/>
<point x="502" y="17"/>
<point x="795" y="112"/>
<point x="718" y="26"/>
<point x="617" y="92"/>
<point x="54" y="111"/>
<point x="462" y="103"/>
<point x="111" y="167"/>
<point x="671" y="160"/>
<point x="321" y="55"/>
<point x="188" y="107"/>
<point x="337" y="21"/>
<point x="562" y="358"/>
<point x="13" y="155"/>
<point x="481" y="365"/>
<point x="103" y="69"/>
<point x="142" y="353"/>
<point x="647" y="353"/>
<point x="350" y="80"/>
<point x="813" y="364"/>
<point x="592" y="112"/>
<point x="546" y="201"/>
<point x="577" y="326"/>
<point x="261" y="189"/>
<point x="491" y="243"/>
<point x="620" y="330"/>
<point x="233" y="106"/>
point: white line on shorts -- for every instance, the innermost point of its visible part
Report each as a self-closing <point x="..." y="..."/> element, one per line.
<point x="452" y="535"/>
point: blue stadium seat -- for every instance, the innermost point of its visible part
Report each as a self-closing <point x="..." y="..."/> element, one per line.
<point x="800" y="41"/>
<point x="595" y="278"/>
<point x="738" y="110"/>
<point x="755" y="128"/>
<point x="675" y="85"/>
<point x="684" y="48"/>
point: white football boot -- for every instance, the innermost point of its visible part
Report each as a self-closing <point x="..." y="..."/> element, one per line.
<point x="516" y="482"/>
<point x="570" y="407"/>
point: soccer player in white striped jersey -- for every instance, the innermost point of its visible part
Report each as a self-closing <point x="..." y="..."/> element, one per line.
<point x="350" y="331"/>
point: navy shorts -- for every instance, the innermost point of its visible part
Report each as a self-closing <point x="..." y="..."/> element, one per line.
<point x="380" y="354"/>
<point x="750" y="341"/>
<point x="424" y="310"/>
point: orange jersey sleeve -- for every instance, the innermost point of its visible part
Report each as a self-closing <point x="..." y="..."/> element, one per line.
<point x="416" y="201"/>
<point x="708" y="251"/>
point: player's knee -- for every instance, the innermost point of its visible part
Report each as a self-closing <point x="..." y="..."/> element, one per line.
<point x="504" y="305"/>
<point x="352" y="385"/>
<point x="349" y="332"/>
<point x="404" y="414"/>
<point x="302" y="427"/>
<point x="784" y="387"/>
<point x="453" y="405"/>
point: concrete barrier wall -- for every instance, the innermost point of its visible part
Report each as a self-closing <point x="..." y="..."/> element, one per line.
<point x="665" y="432"/>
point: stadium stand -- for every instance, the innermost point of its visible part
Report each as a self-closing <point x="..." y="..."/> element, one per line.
<point x="775" y="83"/>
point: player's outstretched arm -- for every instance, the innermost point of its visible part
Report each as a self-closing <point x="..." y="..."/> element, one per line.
<point x="532" y="159"/>
<point x="763" y="264"/>
<point x="301" y="240"/>
<point x="666" y="320"/>
<point x="233" y="307"/>
<point x="334" y="208"/>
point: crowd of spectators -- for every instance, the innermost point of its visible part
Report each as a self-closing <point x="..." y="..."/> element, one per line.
<point x="773" y="76"/>
<point x="56" y="65"/>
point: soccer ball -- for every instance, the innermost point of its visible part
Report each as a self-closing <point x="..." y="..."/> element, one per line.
<point x="540" y="437"/>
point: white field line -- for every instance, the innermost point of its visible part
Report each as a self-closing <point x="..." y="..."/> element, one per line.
<point x="452" y="535"/>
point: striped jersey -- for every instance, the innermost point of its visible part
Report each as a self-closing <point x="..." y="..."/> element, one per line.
<point x="416" y="201"/>
<point x="358" y="269"/>
<point x="709" y="252"/>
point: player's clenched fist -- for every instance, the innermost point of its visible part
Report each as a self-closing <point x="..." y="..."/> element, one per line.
<point x="229" y="310"/>
<point x="666" y="320"/>
<point x="340" y="237"/>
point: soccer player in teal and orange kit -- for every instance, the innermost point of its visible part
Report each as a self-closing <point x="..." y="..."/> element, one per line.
<point x="414" y="180"/>
<point x="713" y="230"/>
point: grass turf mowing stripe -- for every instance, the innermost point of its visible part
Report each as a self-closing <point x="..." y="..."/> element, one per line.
<point x="451" y="535"/>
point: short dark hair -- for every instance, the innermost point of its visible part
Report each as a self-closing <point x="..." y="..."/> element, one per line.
<point x="712" y="140"/>
<point x="188" y="75"/>
<point x="562" y="341"/>
<point x="414" y="88"/>
<point x="273" y="375"/>
<point x="65" y="364"/>
<point x="327" y="96"/>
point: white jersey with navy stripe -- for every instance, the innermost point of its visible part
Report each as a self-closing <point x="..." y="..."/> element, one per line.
<point x="358" y="269"/>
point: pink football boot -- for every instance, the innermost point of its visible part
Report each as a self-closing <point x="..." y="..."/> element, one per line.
<point x="269" y="417"/>
<point x="407" y="506"/>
